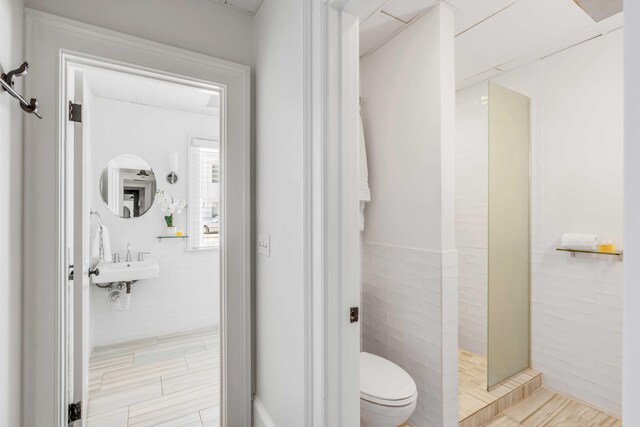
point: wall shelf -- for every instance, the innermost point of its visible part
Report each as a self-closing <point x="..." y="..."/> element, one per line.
<point x="592" y="252"/>
<point x="161" y="238"/>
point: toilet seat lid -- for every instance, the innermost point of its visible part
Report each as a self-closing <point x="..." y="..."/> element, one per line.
<point x="384" y="382"/>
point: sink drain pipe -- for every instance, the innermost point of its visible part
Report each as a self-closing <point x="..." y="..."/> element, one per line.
<point x="120" y="295"/>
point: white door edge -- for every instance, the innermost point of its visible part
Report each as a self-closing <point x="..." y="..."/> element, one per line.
<point x="333" y="238"/>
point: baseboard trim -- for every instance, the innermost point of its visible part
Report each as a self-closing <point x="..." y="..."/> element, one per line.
<point x="261" y="417"/>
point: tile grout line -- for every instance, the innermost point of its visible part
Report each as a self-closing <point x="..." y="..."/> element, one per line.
<point x="547" y="420"/>
<point x="567" y="412"/>
<point x="186" y="363"/>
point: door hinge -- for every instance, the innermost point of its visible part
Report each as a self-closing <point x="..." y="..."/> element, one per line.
<point x="354" y="314"/>
<point x="75" y="411"/>
<point x="75" y="112"/>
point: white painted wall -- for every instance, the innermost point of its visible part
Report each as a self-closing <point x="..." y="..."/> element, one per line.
<point x="186" y="296"/>
<point x="409" y="259"/>
<point x="279" y="211"/>
<point x="472" y="216"/>
<point x="202" y="26"/>
<point x="11" y="120"/>
<point x="577" y="99"/>
<point x="631" y="377"/>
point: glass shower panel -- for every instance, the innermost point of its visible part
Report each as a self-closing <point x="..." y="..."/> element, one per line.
<point x="508" y="351"/>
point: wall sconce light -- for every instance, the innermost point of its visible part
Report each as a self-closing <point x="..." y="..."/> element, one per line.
<point x="172" y="178"/>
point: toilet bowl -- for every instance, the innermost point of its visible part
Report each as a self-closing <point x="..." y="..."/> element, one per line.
<point x="388" y="394"/>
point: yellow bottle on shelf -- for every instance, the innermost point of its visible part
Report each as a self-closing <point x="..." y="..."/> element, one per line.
<point x="607" y="246"/>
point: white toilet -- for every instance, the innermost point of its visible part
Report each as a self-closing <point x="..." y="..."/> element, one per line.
<point x="388" y="394"/>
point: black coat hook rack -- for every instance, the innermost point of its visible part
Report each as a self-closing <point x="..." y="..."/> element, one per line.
<point x="6" y="81"/>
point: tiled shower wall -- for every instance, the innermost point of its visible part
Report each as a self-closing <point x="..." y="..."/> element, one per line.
<point x="576" y="186"/>
<point x="405" y="294"/>
<point x="472" y="211"/>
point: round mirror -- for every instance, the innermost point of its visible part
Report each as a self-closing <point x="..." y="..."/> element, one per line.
<point x="128" y="186"/>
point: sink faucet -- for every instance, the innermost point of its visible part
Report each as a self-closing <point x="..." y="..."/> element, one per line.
<point x="129" y="258"/>
<point x="141" y="255"/>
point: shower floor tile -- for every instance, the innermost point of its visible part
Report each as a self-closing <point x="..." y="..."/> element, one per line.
<point x="170" y="380"/>
<point x="545" y="408"/>
<point x="476" y="404"/>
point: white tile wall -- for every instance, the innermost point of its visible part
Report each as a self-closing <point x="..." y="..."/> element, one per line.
<point x="472" y="207"/>
<point x="410" y="266"/>
<point x="409" y="316"/>
<point x="186" y="296"/>
<point x="577" y="326"/>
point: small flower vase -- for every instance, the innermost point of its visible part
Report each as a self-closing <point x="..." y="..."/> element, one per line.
<point x="171" y="229"/>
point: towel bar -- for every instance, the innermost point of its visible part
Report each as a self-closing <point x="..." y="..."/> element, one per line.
<point x="96" y="213"/>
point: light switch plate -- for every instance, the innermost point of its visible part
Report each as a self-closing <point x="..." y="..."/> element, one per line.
<point x="264" y="244"/>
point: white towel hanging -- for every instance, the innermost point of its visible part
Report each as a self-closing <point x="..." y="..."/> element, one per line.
<point x="365" y="192"/>
<point x="101" y="243"/>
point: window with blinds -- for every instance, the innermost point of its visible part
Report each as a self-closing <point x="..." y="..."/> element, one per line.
<point x="204" y="194"/>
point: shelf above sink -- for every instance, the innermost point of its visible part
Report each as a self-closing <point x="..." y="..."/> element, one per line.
<point x="111" y="272"/>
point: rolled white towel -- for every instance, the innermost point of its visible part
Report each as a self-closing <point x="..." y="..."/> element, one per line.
<point x="579" y="241"/>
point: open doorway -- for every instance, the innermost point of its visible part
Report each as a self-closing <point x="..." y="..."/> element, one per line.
<point x="427" y="306"/>
<point x="135" y="141"/>
<point x="149" y="205"/>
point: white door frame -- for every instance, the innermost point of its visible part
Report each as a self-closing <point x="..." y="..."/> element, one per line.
<point x="51" y="42"/>
<point x="333" y="347"/>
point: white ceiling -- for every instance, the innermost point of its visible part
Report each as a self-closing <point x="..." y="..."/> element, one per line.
<point x="151" y="92"/>
<point x="492" y="36"/>
<point x="248" y="6"/>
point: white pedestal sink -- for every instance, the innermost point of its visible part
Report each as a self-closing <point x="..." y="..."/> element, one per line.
<point x="130" y="271"/>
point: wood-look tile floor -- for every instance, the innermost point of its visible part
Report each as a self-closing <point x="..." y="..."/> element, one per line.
<point x="545" y="408"/>
<point x="472" y="384"/>
<point x="167" y="381"/>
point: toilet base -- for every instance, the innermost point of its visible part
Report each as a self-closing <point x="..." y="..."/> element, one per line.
<point x="375" y="415"/>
